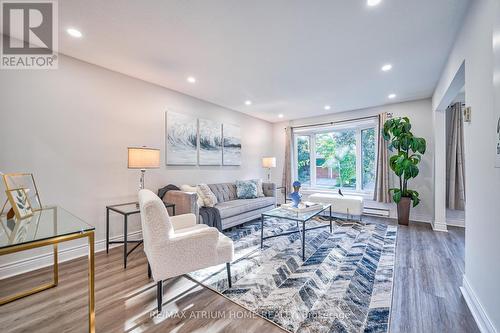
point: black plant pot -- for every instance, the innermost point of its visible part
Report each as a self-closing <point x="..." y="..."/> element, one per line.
<point x="404" y="211"/>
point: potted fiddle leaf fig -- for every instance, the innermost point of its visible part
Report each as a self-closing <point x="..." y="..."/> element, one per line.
<point x="409" y="150"/>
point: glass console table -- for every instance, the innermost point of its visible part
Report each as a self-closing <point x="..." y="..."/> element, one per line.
<point x="48" y="226"/>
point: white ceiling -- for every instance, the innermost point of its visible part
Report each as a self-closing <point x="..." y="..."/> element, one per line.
<point x="286" y="56"/>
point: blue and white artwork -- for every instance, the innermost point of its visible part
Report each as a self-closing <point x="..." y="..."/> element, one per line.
<point x="210" y="142"/>
<point x="231" y="154"/>
<point x="182" y="139"/>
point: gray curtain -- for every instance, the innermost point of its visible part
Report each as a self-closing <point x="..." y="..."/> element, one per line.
<point x="455" y="171"/>
<point x="381" y="193"/>
<point x="287" y="165"/>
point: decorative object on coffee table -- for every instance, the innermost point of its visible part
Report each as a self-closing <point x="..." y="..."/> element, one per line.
<point x="20" y="203"/>
<point x="295" y="195"/>
<point x="404" y="163"/>
<point x="143" y="158"/>
<point x="269" y="163"/>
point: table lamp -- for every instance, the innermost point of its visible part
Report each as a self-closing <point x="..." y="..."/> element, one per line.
<point x="143" y="158"/>
<point x="268" y="163"/>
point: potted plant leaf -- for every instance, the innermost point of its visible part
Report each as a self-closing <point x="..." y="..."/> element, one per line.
<point x="404" y="163"/>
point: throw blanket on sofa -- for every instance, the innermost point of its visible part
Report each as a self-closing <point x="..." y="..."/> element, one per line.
<point x="162" y="191"/>
<point x="211" y="217"/>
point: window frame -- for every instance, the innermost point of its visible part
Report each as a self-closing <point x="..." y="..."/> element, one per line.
<point x="311" y="132"/>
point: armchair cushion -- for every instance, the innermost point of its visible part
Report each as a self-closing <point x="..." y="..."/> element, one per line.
<point x="183" y="221"/>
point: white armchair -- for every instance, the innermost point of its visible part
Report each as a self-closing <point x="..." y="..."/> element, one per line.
<point x="177" y="245"/>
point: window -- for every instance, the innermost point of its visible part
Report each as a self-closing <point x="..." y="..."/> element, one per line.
<point x="337" y="157"/>
<point x="303" y="159"/>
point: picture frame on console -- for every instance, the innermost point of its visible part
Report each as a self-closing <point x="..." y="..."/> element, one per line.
<point x="20" y="203"/>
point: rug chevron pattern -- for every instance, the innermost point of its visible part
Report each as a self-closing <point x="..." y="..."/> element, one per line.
<point x="344" y="285"/>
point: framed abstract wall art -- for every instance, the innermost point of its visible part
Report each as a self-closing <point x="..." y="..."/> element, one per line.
<point x="181" y="139"/>
<point x="231" y="154"/>
<point x="210" y="136"/>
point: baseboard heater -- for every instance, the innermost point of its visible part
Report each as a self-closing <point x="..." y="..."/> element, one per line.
<point x="376" y="211"/>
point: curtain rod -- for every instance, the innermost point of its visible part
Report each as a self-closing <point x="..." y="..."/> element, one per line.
<point x="337" y="122"/>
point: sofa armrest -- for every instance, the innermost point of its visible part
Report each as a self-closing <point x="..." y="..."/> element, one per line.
<point x="269" y="189"/>
<point x="185" y="202"/>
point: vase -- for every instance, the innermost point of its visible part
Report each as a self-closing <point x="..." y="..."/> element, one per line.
<point x="404" y="211"/>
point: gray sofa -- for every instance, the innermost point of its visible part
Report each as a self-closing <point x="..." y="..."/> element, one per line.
<point x="233" y="211"/>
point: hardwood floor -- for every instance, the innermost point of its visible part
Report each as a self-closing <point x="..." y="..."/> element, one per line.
<point x="429" y="268"/>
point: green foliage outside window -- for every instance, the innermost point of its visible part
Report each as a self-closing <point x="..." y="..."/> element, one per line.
<point x="303" y="159"/>
<point x="338" y="150"/>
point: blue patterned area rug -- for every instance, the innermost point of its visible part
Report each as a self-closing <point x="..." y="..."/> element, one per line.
<point x="344" y="285"/>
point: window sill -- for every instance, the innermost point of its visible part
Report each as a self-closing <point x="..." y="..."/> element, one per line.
<point x="311" y="190"/>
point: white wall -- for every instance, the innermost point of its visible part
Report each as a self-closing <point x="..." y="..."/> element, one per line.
<point x="71" y="128"/>
<point x="482" y="246"/>
<point x="420" y="114"/>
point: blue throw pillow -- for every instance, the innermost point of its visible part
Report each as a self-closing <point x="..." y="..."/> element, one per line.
<point x="246" y="189"/>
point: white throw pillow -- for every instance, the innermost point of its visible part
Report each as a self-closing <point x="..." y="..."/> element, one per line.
<point x="188" y="188"/>
<point x="193" y="189"/>
<point x="209" y="199"/>
<point x="260" y="191"/>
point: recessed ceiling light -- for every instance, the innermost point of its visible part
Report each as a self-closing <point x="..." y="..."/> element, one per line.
<point x="191" y="79"/>
<point x="280" y="115"/>
<point x="327" y="107"/>
<point x="74" y="33"/>
<point x="248" y="102"/>
<point x="387" y="67"/>
<point x="373" y="3"/>
<point x="392" y="96"/>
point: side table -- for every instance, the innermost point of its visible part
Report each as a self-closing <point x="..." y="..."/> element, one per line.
<point x="126" y="209"/>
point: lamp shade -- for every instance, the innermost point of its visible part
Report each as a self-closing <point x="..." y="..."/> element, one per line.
<point x="143" y="158"/>
<point x="269" y="162"/>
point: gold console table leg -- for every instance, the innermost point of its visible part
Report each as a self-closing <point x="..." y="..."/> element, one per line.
<point x="54" y="242"/>
<point x="45" y="286"/>
<point x="91" y="283"/>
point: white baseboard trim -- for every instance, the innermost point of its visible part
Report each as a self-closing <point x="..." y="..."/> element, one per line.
<point x="454" y="224"/>
<point x="483" y="322"/>
<point x="420" y="218"/>
<point x="44" y="260"/>
<point x="439" y="226"/>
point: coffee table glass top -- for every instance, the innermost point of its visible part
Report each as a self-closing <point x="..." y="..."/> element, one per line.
<point x="296" y="216"/>
<point x="46" y="223"/>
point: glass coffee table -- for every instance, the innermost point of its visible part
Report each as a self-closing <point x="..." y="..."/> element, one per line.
<point x="300" y="217"/>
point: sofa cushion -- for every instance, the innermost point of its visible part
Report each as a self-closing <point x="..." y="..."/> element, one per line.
<point x="224" y="191"/>
<point x="239" y="206"/>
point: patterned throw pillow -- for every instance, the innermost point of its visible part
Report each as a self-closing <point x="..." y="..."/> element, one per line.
<point x="246" y="189"/>
<point x="209" y="198"/>
<point x="260" y="191"/>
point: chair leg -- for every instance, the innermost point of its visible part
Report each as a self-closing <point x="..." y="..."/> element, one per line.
<point x="149" y="270"/>
<point x="159" y="294"/>
<point x="228" y="268"/>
